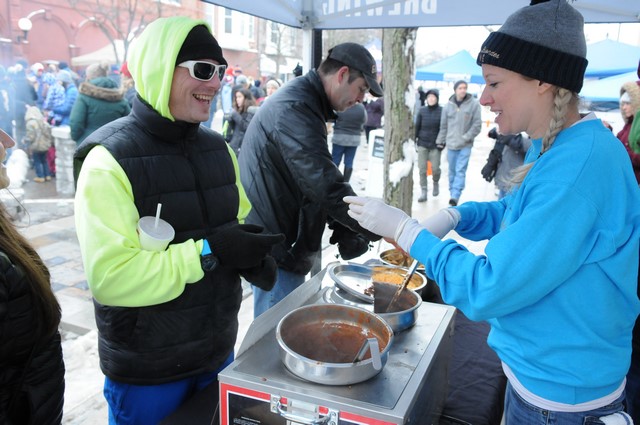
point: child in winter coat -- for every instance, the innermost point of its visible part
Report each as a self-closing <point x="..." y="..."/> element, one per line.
<point x="39" y="140"/>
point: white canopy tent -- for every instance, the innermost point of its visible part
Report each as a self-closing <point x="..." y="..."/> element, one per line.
<point x="342" y="14"/>
<point x="103" y="54"/>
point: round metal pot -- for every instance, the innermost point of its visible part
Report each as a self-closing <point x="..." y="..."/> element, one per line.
<point x="408" y="304"/>
<point x="319" y="343"/>
<point x="399" y="321"/>
<point x="383" y="272"/>
<point x="395" y="257"/>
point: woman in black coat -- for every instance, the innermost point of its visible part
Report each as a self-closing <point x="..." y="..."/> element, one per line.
<point x="31" y="364"/>
<point x="427" y="128"/>
<point x="244" y="107"/>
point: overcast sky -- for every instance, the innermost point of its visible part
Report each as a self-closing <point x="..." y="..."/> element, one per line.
<point x="450" y="40"/>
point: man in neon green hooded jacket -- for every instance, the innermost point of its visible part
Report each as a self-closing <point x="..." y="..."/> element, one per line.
<point x="167" y="320"/>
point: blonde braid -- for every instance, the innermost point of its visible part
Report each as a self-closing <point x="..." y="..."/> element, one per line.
<point x="561" y="105"/>
<point x="561" y="102"/>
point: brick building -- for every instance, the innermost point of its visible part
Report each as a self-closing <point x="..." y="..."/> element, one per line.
<point x="79" y="32"/>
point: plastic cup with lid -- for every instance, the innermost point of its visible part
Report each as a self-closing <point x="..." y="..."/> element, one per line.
<point x="154" y="232"/>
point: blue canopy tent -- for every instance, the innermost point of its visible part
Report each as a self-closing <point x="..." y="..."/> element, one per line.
<point x="608" y="57"/>
<point x="461" y="66"/>
<point x="603" y="98"/>
<point x="607" y="89"/>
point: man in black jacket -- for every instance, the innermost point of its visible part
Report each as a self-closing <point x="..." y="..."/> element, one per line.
<point x="287" y="170"/>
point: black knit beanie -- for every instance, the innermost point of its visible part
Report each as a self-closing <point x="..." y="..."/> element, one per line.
<point x="434" y="92"/>
<point x="544" y="41"/>
<point x="200" y="44"/>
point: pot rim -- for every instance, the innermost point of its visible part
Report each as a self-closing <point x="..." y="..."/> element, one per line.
<point x="421" y="267"/>
<point x="409" y="310"/>
<point x="300" y="357"/>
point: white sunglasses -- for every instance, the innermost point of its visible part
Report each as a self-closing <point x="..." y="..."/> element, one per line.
<point x="204" y="71"/>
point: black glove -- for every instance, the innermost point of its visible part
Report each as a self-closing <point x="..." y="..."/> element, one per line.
<point x="439" y="146"/>
<point x="350" y="243"/>
<point x="242" y="246"/>
<point x="490" y="168"/>
<point x="493" y="133"/>
<point x="263" y="275"/>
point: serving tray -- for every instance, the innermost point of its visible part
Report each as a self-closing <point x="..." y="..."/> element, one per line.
<point x="354" y="279"/>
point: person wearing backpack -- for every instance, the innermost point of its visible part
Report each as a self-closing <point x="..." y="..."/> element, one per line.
<point x="39" y="140"/>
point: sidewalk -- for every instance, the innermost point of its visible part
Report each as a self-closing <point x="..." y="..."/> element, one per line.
<point x="56" y="242"/>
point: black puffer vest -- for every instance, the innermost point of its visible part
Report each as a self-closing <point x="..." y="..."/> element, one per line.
<point x="188" y="169"/>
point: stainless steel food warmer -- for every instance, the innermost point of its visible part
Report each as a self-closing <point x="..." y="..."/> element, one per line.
<point x="411" y="388"/>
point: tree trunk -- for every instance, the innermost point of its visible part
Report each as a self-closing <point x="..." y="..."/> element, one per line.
<point x="399" y="99"/>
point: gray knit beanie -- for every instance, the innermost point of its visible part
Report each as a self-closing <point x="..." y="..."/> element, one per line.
<point x="544" y="41"/>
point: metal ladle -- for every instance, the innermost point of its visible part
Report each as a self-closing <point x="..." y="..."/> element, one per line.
<point x="370" y="344"/>
<point x="403" y="286"/>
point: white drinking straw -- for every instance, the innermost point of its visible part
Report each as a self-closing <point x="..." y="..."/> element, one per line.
<point x="157" y="215"/>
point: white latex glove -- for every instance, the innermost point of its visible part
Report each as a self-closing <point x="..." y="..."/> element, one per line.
<point x="442" y="222"/>
<point x="376" y="216"/>
<point x="439" y="224"/>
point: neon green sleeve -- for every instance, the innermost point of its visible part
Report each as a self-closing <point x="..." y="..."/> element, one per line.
<point x="118" y="271"/>
<point x="244" y="205"/>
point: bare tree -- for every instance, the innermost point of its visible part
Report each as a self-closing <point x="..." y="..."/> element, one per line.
<point x="398" y="46"/>
<point x="118" y="19"/>
<point x="360" y="36"/>
<point x="278" y="37"/>
<point x="427" y="58"/>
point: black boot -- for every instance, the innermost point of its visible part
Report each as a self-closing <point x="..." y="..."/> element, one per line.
<point x="423" y="196"/>
<point x="347" y="173"/>
<point x="436" y="189"/>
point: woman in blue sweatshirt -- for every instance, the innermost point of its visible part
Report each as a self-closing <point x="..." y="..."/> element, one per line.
<point x="558" y="279"/>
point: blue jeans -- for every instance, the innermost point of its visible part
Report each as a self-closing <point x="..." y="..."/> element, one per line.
<point x="285" y="284"/>
<point x="519" y="412"/>
<point x="458" y="162"/>
<point x="40" y="164"/>
<point x="349" y="153"/>
<point x="633" y="377"/>
<point x="149" y="404"/>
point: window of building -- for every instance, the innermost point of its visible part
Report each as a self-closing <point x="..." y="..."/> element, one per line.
<point x="238" y="30"/>
<point x="228" y="21"/>
<point x="274" y="36"/>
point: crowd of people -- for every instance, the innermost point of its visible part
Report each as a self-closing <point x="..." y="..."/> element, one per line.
<point x="36" y="98"/>
<point x="97" y="95"/>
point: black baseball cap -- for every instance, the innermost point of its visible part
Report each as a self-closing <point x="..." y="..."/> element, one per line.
<point x="355" y="56"/>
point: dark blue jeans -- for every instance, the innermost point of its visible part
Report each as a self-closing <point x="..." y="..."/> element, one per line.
<point x="286" y="283"/>
<point x="40" y="164"/>
<point x="349" y="152"/>
<point x="633" y="377"/>
<point x="519" y="412"/>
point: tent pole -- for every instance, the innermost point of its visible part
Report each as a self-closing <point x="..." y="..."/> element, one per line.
<point x="317" y="48"/>
<point x="307" y="49"/>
